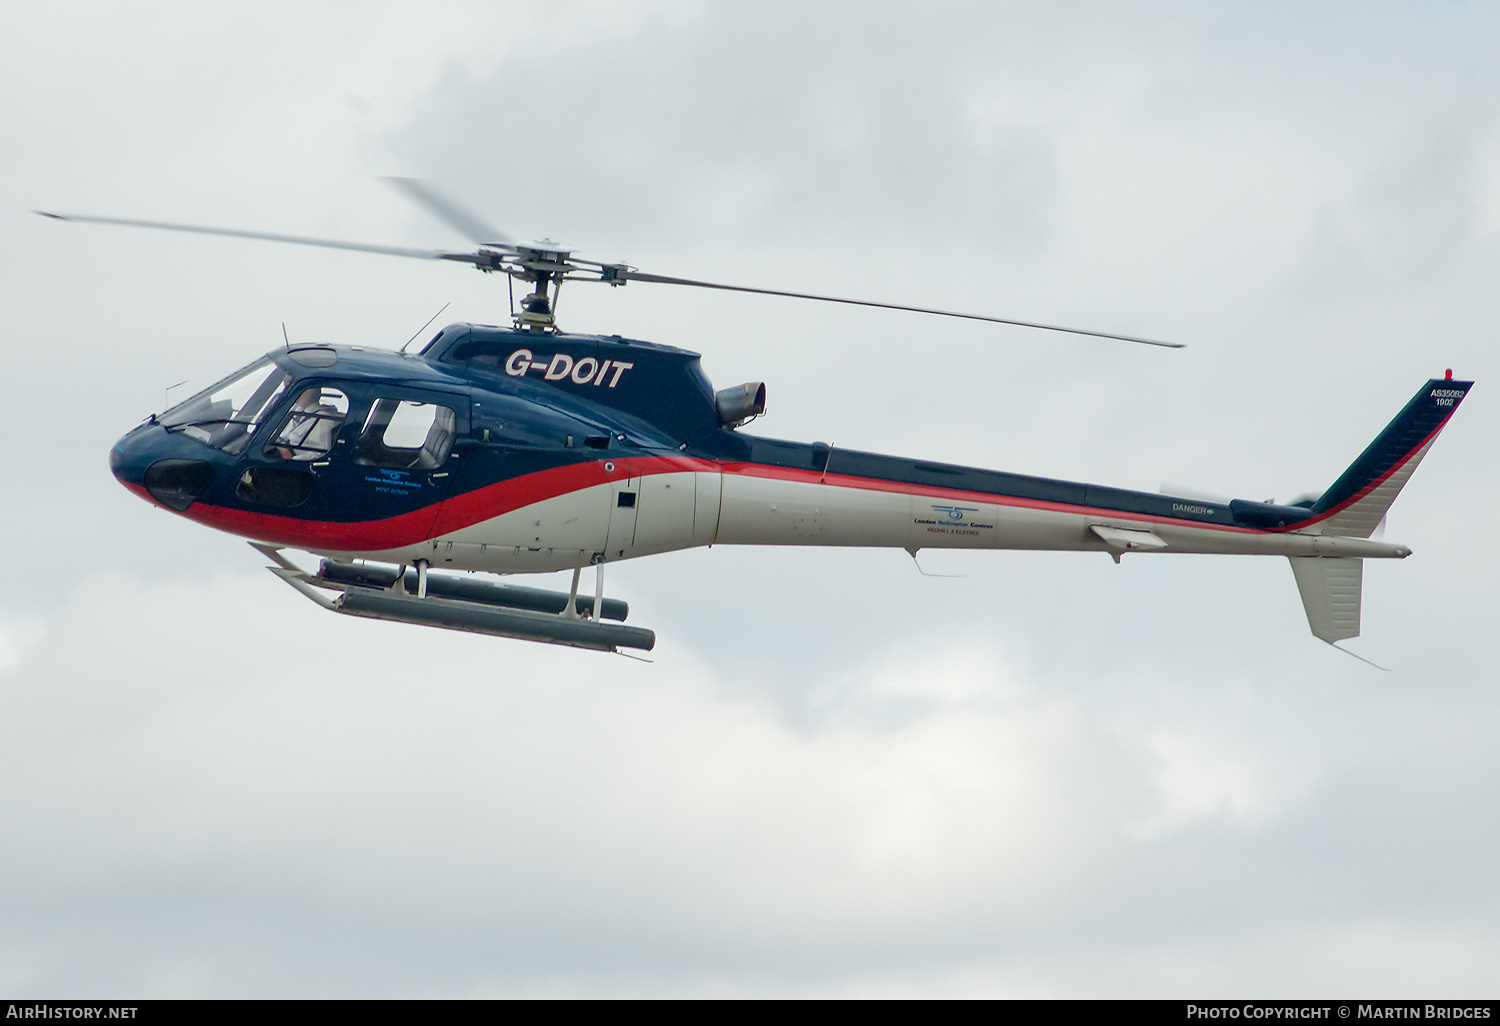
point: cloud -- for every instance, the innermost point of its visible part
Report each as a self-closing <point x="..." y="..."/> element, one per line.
<point x="216" y="746"/>
<point x="213" y="782"/>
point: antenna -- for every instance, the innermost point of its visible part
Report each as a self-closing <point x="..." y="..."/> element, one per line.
<point x="1361" y="658"/>
<point x="424" y="327"/>
<point x="168" y="391"/>
<point x="912" y="551"/>
<point x="284" y="336"/>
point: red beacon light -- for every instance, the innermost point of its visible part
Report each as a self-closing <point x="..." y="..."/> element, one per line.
<point x="1448" y="374"/>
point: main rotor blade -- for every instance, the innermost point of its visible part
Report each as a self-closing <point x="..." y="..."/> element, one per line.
<point x="301" y="240"/>
<point x="455" y="215"/>
<point x="631" y="275"/>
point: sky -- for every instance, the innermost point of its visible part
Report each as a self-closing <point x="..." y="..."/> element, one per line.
<point x="1050" y="776"/>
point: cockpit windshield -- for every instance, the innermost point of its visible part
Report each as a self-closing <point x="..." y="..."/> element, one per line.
<point x="225" y="415"/>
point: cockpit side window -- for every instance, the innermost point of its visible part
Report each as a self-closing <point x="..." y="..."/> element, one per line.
<point x="407" y="434"/>
<point x="487" y="355"/>
<point x="310" y="427"/>
<point x="225" y="416"/>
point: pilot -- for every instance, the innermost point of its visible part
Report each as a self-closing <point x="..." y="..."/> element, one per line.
<point x="310" y="427"/>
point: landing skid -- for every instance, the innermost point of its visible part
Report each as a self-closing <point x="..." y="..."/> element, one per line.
<point x="476" y="607"/>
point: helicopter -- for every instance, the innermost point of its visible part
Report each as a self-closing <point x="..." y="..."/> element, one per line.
<point x="522" y="449"/>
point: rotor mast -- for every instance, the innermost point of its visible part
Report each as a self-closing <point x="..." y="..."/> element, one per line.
<point x="545" y="265"/>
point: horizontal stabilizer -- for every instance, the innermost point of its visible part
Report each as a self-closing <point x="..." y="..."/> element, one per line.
<point x="1126" y="540"/>
<point x="1330" y="588"/>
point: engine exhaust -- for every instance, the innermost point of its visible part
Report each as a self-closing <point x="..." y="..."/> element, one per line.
<point x="741" y="403"/>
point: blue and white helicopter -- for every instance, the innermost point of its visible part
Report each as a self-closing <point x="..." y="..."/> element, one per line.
<point x="529" y="450"/>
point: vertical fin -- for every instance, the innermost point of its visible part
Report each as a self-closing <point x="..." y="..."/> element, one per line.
<point x="1330" y="588"/>
<point x="1359" y="499"/>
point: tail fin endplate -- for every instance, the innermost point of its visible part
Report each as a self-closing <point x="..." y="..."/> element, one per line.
<point x="1330" y="588"/>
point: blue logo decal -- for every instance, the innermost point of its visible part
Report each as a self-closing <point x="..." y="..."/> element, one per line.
<point x="955" y="514"/>
<point x="395" y="482"/>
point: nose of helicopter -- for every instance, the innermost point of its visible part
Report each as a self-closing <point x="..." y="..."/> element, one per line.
<point x="144" y="462"/>
<point x="119" y="466"/>
<point x="128" y="460"/>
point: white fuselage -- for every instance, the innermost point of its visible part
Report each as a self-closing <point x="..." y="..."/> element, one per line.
<point x="755" y="505"/>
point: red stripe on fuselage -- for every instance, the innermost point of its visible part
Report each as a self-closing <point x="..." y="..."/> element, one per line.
<point x="872" y="484"/>
<point x="359" y="536"/>
<point x="492" y="500"/>
<point x="438" y="519"/>
<point x="502" y="497"/>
